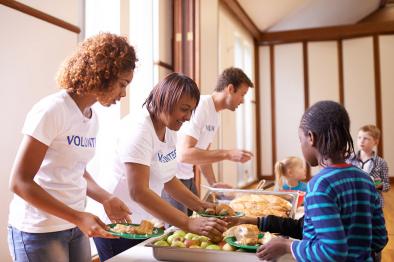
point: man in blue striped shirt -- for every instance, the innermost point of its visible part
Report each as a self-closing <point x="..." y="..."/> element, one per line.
<point x="343" y="216"/>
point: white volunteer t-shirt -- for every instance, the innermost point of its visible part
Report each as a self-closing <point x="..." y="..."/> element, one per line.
<point x="137" y="142"/>
<point x="57" y="122"/>
<point x="202" y="126"/>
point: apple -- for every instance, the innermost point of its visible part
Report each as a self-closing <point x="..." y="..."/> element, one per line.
<point x="228" y="247"/>
<point x="202" y="238"/>
<point x="177" y="244"/>
<point x="194" y="246"/>
<point x="213" y="247"/>
<point x="161" y="243"/>
<point x="173" y="238"/>
<point x="204" y="244"/>
<point x="190" y="236"/>
<point x="179" y="233"/>
<point x="189" y="242"/>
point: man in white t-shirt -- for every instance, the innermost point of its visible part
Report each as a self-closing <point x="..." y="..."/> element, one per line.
<point x="196" y="136"/>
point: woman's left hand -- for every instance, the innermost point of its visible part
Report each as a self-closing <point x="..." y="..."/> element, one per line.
<point x="117" y="211"/>
<point x="275" y="248"/>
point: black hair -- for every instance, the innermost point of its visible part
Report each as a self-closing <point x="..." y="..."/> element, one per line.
<point x="330" y="123"/>
<point x="168" y="92"/>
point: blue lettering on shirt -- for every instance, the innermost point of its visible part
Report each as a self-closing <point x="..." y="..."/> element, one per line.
<point x="81" y="141"/>
<point x="210" y="128"/>
<point x="166" y="158"/>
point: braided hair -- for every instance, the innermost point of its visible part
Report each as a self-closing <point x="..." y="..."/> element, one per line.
<point x="330" y="123"/>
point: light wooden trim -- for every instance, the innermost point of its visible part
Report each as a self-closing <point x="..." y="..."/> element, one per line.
<point x="239" y="14"/>
<point x="40" y="15"/>
<point x="327" y="33"/>
<point x="273" y="105"/>
<point x="197" y="61"/>
<point x="257" y="103"/>
<point x="164" y="64"/>
<point x="340" y="73"/>
<point x="378" y="91"/>
<point x="306" y="89"/>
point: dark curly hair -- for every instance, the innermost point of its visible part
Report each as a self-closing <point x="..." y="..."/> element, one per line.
<point x="96" y="64"/>
<point x="234" y="76"/>
<point x="330" y="123"/>
<point x="168" y="92"/>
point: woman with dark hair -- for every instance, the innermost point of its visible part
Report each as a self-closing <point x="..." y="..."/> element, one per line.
<point x="145" y="163"/>
<point x="47" y="221"/>
<point x="343" y="218"/>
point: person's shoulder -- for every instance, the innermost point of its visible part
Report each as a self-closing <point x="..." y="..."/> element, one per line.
<point x="54" y="103"/>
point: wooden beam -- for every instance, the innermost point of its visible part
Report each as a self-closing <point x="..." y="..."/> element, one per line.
<point x="273" y="105"/>
<point x="327" y="33"/>
<point x="378" y="92"/>
<point x="257" y="99"/>
<point x="340" y="73"/>
<point x="40" y="15"/>
<point x="239" y="13"/>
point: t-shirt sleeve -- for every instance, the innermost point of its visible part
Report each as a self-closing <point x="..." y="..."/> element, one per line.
<point x="136" y="146"/>
<point x="43" y="123"/>
<point x="196" y="123"/>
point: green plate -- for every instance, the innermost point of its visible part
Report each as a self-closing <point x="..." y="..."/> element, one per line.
<point x="237" y="214"/>
<point x="232" y="242"/>
<point x="156" y="232"/>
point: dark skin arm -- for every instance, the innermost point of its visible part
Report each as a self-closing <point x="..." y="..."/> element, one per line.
<point x="27" y="163"/>
<point x="138" y="183"/>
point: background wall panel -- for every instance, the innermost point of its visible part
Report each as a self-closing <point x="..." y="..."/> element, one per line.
<point x="359" y="82"/>
<point x="31" y="52"/>
<point x="323" y="71"/>
<point x="387" y="82"/>
<point x="289" y="95"/>
<point x="265" y="114"/>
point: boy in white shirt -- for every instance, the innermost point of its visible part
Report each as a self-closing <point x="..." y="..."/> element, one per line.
<point x="196" y="136"/>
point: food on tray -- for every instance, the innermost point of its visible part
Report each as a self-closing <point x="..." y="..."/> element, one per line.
<point x="189" y="240"/>
<point x="245" y="234"/>
<point x="261" y="205"/>
<point x="220" y="210"/>
<point x="145" y="228"/>
<point x="267" y="238"/>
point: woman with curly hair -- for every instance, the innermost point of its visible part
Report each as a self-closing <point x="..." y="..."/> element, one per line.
<point x="47" y="221"/>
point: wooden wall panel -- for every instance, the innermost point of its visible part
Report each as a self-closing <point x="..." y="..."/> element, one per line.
<point x="387" y="83"/>
<point x="265" y="114"/>
<point x="323" y="71"/>
<point x="359" y="82"/>
<point x="289" y="98"/>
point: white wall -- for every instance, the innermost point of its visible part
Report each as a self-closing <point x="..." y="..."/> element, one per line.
<point x="289" y="98"/>
<point x="359" y="83"/>
<point x="323" y="72"/>
<point x="235" y="47"/>
<point x="31" y="51"/>
<point x="387" y="83"/>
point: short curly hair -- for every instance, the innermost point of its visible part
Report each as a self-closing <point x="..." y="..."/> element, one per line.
<point x="96" y="64"/>
<point x="372" y="130"/>
<point x="234" y="76"/>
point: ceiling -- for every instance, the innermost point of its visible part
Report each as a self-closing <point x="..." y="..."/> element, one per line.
<point x="282" y="15"/>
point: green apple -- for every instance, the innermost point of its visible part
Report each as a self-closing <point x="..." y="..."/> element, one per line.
<point x="161" y="243"/>
<point x="179" y="233"/>
<point x="204" y="244"/>
<point x="190" y="236"/>
<point x="194" y="246"/>
<point x="213" y="247"/>
<point x="177" y="244"/>
<point x="203" y="238"/>
<point x="170" y="239"/>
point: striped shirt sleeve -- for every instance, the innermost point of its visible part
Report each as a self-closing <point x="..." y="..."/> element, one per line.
<point x="379" y="232"/>
<point x="329" y="240"/>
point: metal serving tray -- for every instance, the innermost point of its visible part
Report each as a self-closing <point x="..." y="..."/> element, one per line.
<point x="196" y="254"/>
<point x="225" y="195"/>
